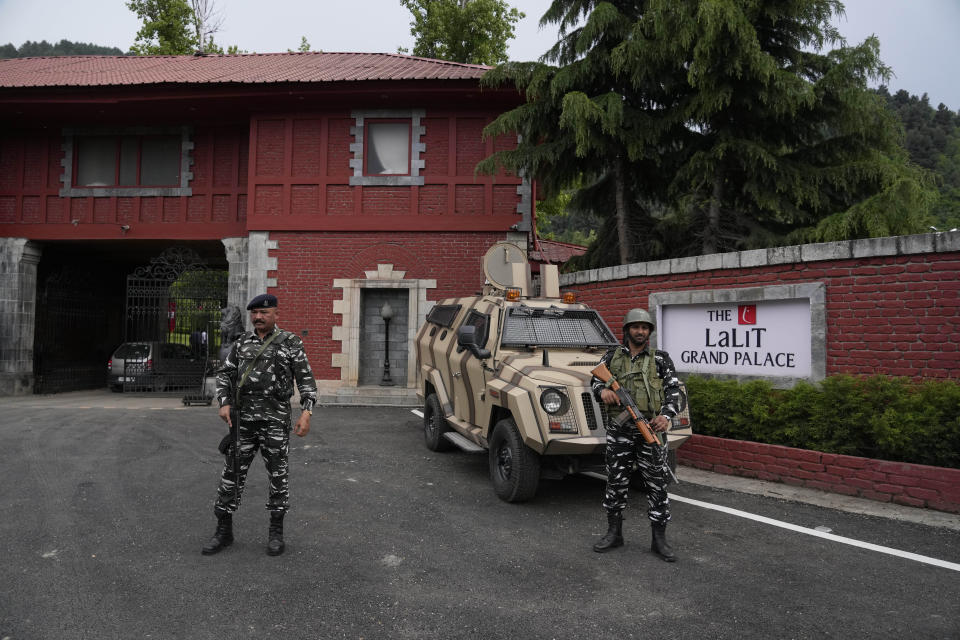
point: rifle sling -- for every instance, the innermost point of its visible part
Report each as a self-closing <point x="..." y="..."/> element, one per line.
<point x="246" y="373"/>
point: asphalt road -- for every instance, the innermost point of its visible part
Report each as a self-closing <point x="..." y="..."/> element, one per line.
<point x="105" y="511"/>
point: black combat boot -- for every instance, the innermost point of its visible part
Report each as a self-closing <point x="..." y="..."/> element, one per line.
<point x="659" y="543"/>
<point x="222" y="537"/>
<point x="614" y="537"/>
<point x="275" y="544"/>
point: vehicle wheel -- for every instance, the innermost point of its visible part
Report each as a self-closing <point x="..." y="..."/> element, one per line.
<point x="514" y="467"/>
<point x="116" y="388"/>
<point x="160" y="385"/>
<point x="435" y="425"/>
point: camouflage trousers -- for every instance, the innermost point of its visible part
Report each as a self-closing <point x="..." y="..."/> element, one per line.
<point x="270" y="434"/>
<point x="626" y="450"/>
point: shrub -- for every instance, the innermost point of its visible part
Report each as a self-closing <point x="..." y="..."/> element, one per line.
<point x="874" y="417"/>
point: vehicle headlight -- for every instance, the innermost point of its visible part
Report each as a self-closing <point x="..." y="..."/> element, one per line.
<point x="554" y="401"/>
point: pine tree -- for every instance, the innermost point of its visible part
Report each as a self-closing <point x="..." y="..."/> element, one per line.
<point x="713" y="125"/>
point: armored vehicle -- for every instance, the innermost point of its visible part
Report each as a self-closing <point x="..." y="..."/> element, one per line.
<point x="509" y="374"/>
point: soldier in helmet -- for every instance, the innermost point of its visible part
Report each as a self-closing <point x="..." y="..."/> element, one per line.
<point x="257" y="379"/>
<point x="649" y="377"/>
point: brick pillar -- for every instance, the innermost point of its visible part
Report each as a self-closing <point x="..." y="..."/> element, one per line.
<point x="18" y="312"/>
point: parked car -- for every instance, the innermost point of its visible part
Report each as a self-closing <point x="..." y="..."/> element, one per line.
<point x="154" y="366"/>
<point x="509" y="374"/>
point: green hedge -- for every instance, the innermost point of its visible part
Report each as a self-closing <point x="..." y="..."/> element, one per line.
<point x="873" y="417"/>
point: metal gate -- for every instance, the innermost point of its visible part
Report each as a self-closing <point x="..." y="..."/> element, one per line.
<point x="69" y="351"/>
<point x="173" y="308"/>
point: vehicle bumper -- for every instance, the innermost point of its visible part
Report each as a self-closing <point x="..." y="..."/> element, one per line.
<point x="578" y="445"/>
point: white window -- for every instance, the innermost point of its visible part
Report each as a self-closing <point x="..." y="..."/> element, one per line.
<point x="387" y="147"/>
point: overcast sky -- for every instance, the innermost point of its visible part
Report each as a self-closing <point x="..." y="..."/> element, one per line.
<point x="917" y="37"/>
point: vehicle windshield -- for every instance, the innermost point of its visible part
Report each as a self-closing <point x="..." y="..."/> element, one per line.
<point x="554" y="327"/>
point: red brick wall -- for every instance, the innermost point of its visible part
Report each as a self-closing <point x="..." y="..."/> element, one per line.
<point x="914" y="485"/>
<point x="308" y="263"/>
<point x="896" y="315"/>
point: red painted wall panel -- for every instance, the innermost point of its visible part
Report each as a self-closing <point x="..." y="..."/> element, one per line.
<point x="269" y="143"/>
<point x="470" y="144"/>
<point x="307" y="151"/>
<point x="293" y="153"/>
<point x="436" y="155"/>
<point x="8" y="209"/>
<point x="385" y="200"/>
<point x="30" y="182"/>
<point x="433" y="200"/>
<point x="338" y="147"/>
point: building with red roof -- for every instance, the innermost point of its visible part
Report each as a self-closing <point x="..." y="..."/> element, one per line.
<point x="336" y="181"/>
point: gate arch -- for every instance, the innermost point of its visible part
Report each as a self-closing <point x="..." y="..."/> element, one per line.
<point x="172" y="318"/>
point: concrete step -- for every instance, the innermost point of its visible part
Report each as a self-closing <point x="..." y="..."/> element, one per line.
<point x="366" y="396"/>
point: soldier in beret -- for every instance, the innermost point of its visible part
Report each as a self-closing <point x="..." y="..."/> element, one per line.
<point x="256" y="383"/>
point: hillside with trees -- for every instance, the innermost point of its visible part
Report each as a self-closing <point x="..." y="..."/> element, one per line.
<point x="932" y="139"/>
<point x="30" y="49"/>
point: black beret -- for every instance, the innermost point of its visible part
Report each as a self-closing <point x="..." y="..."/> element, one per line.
<point x="262" y="301"/>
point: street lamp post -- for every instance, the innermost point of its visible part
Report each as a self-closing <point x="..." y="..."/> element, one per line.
<point x="386" y="312"/>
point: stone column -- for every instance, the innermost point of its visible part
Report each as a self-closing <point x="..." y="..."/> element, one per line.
<point x="237" y="257"/>
<point x="18" y="312"/>
<point x="260" y="263"/>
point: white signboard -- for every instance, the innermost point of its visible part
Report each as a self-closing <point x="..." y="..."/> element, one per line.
<point x="768" y="338"/>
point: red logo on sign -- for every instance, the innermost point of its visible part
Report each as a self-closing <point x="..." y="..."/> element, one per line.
<point x="747" y="314"/>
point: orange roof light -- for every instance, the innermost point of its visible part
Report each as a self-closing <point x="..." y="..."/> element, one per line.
<point x="569" y="297"/>
<point x="513" y="294"/>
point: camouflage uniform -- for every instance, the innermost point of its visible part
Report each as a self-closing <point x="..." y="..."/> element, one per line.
<point x="625" y="445"/>
<point x="264" y="410"/>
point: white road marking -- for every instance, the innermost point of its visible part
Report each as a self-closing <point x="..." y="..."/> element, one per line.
<point x="821" y="534"/>
<point x="792" y="527"/>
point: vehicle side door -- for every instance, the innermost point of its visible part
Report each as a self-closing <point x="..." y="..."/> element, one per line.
<point x="469" y="375"/>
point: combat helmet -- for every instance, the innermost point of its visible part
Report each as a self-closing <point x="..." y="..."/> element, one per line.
<point x="638" y="315"/>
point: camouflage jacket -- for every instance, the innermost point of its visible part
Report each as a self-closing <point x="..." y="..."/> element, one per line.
<point x="272" y="376"/>
<point x="665" y="371"/>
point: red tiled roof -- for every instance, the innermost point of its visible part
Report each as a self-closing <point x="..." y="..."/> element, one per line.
<point x="554" y="252"/>
<point x="255" y="68"/>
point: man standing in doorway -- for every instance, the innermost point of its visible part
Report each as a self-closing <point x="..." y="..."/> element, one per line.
<point x="254" y="387"/>
<point x="649" y="377"/>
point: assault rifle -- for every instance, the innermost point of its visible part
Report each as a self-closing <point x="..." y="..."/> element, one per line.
<point x="627" y="403"/>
